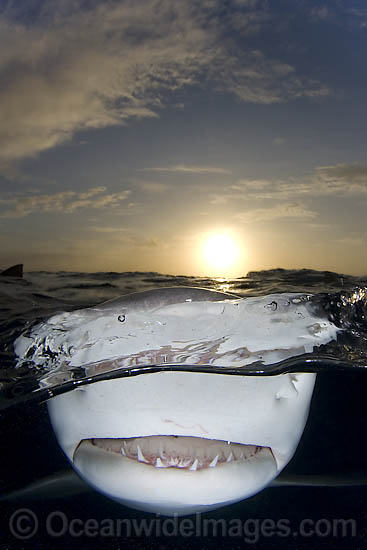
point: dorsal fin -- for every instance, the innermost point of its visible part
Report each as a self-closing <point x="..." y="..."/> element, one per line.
<point x="13" y="271"/>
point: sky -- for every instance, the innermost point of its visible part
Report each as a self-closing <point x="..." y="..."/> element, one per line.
<point x="196" y="137"/>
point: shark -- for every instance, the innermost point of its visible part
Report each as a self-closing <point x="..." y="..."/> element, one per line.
<point x="176" y="441"/>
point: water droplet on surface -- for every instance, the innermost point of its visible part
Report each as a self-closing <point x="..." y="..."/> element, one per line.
<point x="121" y="318"/>
<point x="272" y="306"/>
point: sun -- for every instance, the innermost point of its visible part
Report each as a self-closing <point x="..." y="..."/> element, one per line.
<point x="219" y="253"/>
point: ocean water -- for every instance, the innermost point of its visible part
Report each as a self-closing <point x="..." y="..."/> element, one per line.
<point x="333" y="442"/>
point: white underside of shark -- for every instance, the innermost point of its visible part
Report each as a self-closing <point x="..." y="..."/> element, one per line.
<point x="181" y="442"/>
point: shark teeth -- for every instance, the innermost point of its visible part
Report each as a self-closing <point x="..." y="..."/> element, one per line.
<point x="141" y="457"/>
<point x="159" y="463"/>
<point x="229" y="457"/>
<point x="183" y="452"/>
<point x="214" y="462"/>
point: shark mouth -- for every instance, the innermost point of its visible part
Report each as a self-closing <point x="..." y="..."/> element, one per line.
<point x="181" y="452"/>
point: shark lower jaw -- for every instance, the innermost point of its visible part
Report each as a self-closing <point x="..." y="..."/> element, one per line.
<point x="174" y="474"/>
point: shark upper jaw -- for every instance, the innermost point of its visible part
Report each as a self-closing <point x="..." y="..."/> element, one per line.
<point x="174" y="474"/>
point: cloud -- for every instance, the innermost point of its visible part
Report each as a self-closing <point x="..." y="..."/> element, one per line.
<point x="75" y="66"/>
<point x="342" y="14"/>
<point x="249" y="189"/>
<point x="220" y="199"/>
<point x="339" y="13"/>
<point x="107" y="229"/>
<point x="153" y="186"/>
<point x="261" y="189"/>
<point x="358" y="241"/>
<point x="125" y="236"/>
<point x="188" y="169"/>
<point x="348" y="178"/>
<point x="250" y="16"/>
<point x="258" y="79"/>
<point x="358" y="17"/>
<point x="339" y="180"/>
<point x="281" y="211"/>
<point x="67" y="202"/>
<point x="320" y="12"/>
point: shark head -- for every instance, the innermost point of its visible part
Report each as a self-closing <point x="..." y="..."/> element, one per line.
<point x="182" y="442"/>
<point x="178" y="442"/>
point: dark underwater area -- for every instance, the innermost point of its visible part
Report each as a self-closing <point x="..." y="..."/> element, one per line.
<point x="295" y="517"/>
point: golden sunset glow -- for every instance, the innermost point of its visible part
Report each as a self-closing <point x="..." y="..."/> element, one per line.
<point x="220" y="253"/>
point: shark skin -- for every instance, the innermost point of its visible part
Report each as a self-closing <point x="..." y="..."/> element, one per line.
<point x="181" y="442"/>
